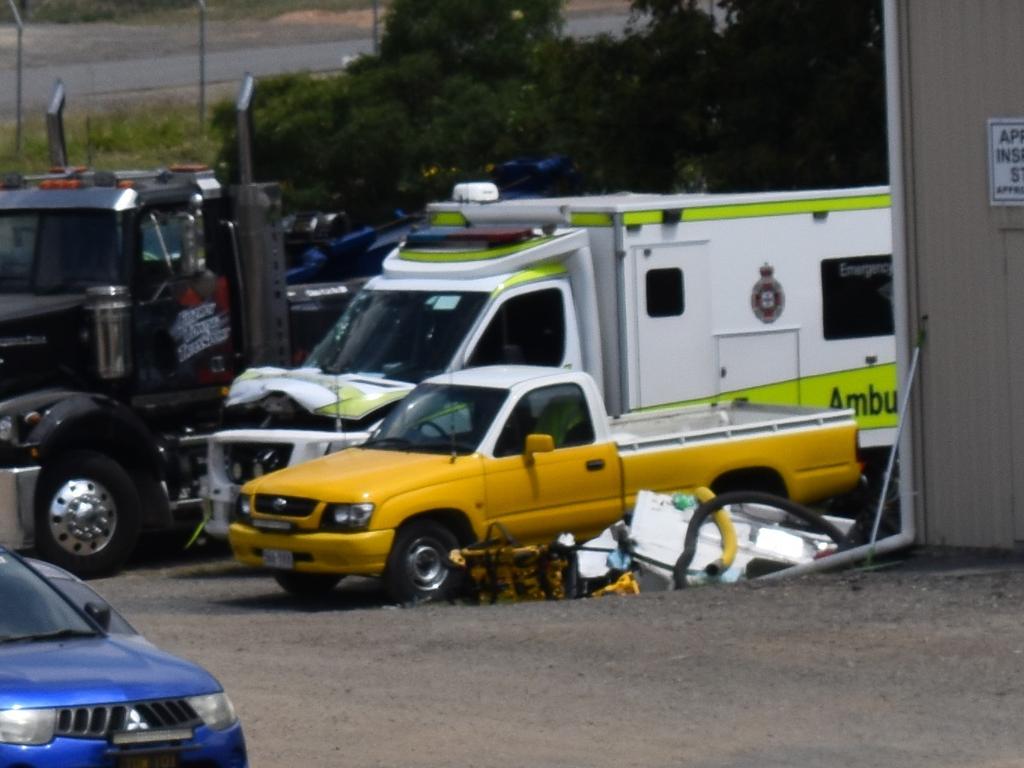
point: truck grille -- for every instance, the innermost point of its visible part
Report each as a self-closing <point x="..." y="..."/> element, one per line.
<point x="244" y="461"/>
<point x="285" y="506"/>
<point x="98" y="722"/>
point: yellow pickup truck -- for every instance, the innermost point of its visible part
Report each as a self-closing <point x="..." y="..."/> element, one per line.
<point x="530" y="447"/>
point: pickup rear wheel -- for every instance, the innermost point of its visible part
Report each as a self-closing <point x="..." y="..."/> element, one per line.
<point x="87" y="513"/>
<point x="306" y="584"/>
<point x="417" y="568"/>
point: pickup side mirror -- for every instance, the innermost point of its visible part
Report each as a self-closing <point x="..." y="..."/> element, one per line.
<point x="538" y="443"/>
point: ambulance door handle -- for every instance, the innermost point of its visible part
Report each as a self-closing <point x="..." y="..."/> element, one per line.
<point x="595" y="464"/>
<point x="722" y="371"/>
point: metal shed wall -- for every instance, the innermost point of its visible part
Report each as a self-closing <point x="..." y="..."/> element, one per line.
<point x="961" y="65"/>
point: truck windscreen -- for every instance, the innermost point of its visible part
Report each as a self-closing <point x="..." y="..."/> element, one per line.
<point x="59" y="251"/>
<point x="401" y="335"/>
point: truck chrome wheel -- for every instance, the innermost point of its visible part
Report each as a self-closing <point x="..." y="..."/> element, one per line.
<point x="83" y="516"/>
<point x="88" y="515"/>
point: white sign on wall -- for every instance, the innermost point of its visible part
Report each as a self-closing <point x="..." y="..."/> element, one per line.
<point x="1006" y="160"/>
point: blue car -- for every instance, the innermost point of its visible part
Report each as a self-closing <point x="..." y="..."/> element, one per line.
<point x="79" y="688"/>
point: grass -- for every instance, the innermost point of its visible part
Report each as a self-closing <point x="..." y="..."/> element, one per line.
<point x="169" y="11"/>
<point x="114" y="139"/>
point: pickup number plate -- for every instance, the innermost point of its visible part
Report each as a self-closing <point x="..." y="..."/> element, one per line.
<point x="149" y="760"/>
<point x="278" y="558"/>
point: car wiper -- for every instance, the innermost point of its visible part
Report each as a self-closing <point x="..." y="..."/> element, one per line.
<point x="388" y="442"/>
<point x="57" y="634"/>
<point x="447" y="446"/>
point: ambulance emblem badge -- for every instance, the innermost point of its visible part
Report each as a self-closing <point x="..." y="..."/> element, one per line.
<point x="767" y="299"/>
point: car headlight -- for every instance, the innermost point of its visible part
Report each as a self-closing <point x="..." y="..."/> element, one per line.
<point x="215" y="709"/>
<point x="27" y="727"/>
<point x="346" y="516"/>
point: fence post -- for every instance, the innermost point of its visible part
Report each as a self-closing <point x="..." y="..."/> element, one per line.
<point x="202" y="65"/>
<point x="17" y="109"/>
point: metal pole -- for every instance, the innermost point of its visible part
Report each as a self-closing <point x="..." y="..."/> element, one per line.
<point x="376" y="16"/>
<point x="202" y="64"/>
<point x="17" y="130"/>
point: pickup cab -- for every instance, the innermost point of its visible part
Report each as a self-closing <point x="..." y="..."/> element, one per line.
<point x="531" y="447"/>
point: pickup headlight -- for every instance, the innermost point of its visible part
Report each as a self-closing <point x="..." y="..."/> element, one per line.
<point x="347" y="517"/>
<point x="27" y="727"/>
<point x="215" y="709"/>
<point x="243" y="509"/>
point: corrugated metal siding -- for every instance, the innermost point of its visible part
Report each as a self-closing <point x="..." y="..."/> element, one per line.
<point x="964" y="67"/>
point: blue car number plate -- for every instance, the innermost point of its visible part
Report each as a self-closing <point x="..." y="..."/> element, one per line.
<point x="149" y="760"/>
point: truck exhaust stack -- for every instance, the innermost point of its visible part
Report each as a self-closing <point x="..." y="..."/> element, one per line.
<point x="55" y="127"/>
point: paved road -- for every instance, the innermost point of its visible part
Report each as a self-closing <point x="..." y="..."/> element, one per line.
<point x="103" y="72"/>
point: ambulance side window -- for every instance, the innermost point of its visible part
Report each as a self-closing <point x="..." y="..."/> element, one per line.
<point x="528" y="329"/>
<point x="665" y="296"/>
<point x="856" y="297"/>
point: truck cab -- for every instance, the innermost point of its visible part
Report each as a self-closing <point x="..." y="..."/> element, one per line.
<point x="78" y="249"/>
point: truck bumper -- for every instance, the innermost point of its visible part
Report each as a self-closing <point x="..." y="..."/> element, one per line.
<point x="232" y="446"/>
<point x="17" y="491"/>
<point x="364" y="553"/>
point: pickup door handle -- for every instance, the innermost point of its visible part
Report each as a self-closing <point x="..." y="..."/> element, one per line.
<point x="595" y="464"/>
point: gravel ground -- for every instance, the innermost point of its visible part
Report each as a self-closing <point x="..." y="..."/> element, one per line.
<point x="915" y="664"/>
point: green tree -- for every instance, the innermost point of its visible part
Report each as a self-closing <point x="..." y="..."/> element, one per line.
<point x="398" y="129"/>
<point x="764" y="94"/>
<point x="490" y="40"/>
<point x="799" y="95"/>
<point x="630" y="110"/>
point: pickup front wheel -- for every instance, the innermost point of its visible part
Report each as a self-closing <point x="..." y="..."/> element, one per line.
<point x="417" y="568"/>
<point x="87" y="513"/>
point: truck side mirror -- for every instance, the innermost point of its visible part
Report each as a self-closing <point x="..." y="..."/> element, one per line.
<point x="538" y="443"/>
<point x="193" y="245"/>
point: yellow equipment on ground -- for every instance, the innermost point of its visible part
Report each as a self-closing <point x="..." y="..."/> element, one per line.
<point x="501" y="570"/>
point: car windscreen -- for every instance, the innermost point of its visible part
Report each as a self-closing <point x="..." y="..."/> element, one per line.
<point x="438" y="418"/>
<point x="30" y="609"/>
<point x="81" y="594"/>
<point x="399" y="335"/>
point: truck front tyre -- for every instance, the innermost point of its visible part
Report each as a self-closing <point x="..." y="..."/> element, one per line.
<point x="417" y="568"/>
<point x="88" y="515"/>
<point x="306" y="584"/>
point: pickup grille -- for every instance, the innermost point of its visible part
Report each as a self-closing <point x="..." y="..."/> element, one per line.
<point x="98" y="722"/>
<point x="285" y="506"/>
<point x="244" y="461"/>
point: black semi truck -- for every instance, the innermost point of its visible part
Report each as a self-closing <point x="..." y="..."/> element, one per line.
<point x="128" y="302"/>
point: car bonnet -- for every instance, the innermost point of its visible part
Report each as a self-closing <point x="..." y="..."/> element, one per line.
<point x="104" y="669"/>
